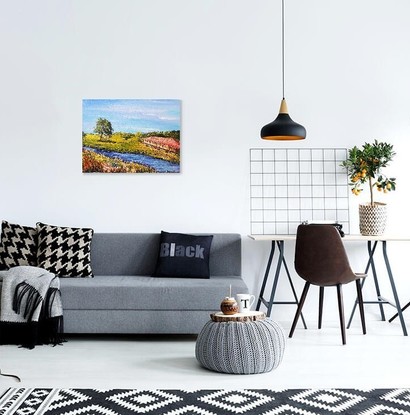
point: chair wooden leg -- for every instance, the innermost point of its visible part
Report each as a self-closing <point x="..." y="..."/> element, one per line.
<point x="361" y="307"/>
<point x="321" y="295"/>
<point x="299" y="309"/>
<point x="341" y="312"/>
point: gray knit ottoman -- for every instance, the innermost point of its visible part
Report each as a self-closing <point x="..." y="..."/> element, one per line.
<point x="241" y="347"/>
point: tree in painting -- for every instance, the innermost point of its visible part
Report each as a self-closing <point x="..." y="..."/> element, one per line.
<point x="103" y="128"/>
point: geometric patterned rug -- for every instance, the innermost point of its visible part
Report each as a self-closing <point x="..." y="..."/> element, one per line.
<point x="39" y="401"/>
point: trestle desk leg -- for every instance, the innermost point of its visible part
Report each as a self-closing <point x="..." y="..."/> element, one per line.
<point x="275" y="281"/>
<point x="266" y="276"/>
<point x="375" y="279"/>
<point x="370" y="263"/>
<point x="397" y="314"/>
<point x="393" y="287"/>
<point x="282" y="248"/>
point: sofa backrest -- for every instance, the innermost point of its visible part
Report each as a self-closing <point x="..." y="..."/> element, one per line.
<point x="136" y="254"/>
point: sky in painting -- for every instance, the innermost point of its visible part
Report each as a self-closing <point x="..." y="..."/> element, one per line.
<point x="133" y="115"/>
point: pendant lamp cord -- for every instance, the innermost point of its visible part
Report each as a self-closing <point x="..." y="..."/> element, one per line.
<point x="283" y="49"/>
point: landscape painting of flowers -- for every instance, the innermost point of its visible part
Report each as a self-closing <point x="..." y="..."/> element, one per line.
<point x="131" y="135"/>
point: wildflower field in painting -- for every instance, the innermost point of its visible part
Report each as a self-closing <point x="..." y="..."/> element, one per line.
<point x="128" y="136"/>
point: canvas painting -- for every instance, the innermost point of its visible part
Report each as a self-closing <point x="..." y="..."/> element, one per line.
<point x="131" y="135"/>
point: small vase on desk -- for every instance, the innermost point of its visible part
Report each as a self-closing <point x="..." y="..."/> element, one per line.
<point x="229" y="306"/>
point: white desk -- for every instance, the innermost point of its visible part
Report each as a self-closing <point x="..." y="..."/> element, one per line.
<point x="372" y="243"/>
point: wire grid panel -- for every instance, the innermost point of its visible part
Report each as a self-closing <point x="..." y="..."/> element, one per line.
<point x="289" y="186"/>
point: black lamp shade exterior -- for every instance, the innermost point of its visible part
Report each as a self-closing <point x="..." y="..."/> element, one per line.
<point x="283" y="128"/>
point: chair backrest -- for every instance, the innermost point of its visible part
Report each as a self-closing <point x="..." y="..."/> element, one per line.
<point x="320" y="257"/>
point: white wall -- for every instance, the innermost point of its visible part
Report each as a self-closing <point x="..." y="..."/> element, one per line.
<point x="347" y="82"/>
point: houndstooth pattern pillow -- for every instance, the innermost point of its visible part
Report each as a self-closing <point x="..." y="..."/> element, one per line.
<point x="18" y="245"/>
<point x="65" y="251"/>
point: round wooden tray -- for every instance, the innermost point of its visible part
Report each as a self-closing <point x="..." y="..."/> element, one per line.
<point x="243" y="317"/>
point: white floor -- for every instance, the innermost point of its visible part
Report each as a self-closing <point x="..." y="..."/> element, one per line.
<point x="312" y="359"/>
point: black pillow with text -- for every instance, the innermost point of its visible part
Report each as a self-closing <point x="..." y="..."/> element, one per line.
<point x="183" y="256"/>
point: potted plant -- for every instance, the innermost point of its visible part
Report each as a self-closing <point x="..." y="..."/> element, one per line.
<point x="364" y="165"/>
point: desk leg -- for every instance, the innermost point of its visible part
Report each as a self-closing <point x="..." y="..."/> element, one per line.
<point x="281" y="248"/>
<point x="370" y="263"/>
<point x="281" y="260"/>
<point x="275" y="281"/>
<point x="265" y="278"/>
<point x="393" y="287"/>
<point x="397" y="314"/>
<point x="375" y="279"/>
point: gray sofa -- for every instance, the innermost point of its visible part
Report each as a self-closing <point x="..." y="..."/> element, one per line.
<point x="124" y="298"/>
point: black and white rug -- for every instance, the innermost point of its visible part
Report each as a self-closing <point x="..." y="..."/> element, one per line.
<point x="21" y="401"/>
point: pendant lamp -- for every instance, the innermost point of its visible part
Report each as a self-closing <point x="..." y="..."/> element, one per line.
<point x="283" y="127"/>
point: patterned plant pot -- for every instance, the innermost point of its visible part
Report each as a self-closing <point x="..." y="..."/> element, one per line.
<point x="372" y="219"/>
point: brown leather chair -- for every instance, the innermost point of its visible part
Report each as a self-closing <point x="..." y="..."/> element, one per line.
<point x="321" y="259"/>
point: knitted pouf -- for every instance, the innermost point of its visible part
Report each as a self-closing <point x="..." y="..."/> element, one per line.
<point x="241" y="347"/>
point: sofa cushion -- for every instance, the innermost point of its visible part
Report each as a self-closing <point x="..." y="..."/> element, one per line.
<point x="183" y="256"/>
<point x="18" y="245"/>
<point x="64" y="251"/>
<point x="147" y="293"/>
